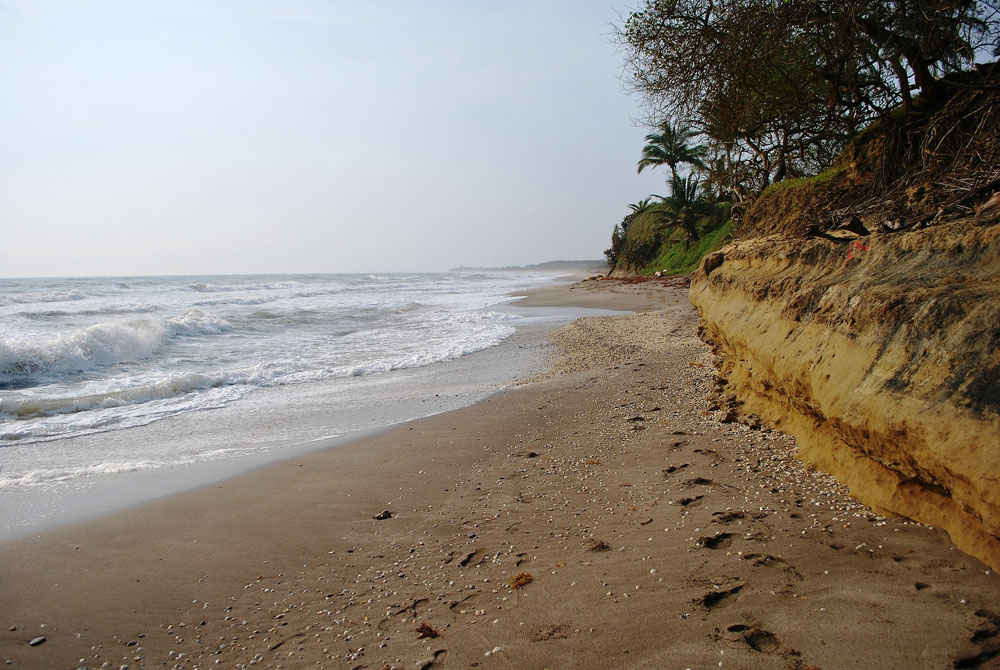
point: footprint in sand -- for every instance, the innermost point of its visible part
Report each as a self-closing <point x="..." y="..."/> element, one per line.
<point x="769" y="561"/>
<point x="474" y="558"/>
<point x="757" y="638"/>
<point x="429" y="663"/>
<point x="549" y="633"/>
<point x="986" y="639"/>
<point x="717" y="541"/>
<point x="713" y="599"/>
<point x="669" y="470"/>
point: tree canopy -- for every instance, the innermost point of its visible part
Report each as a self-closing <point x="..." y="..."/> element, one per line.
<point x="778" y="86"/>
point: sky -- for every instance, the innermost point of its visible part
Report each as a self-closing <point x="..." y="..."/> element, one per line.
<point x="148" y="137"/>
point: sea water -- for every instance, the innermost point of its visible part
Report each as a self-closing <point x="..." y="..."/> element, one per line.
<point x="103" y="376"/>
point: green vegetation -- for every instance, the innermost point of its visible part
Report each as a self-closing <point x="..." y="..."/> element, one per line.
<point x="816" y="180"/>
<point x="758" y="108"/>
<point x="780" y="87"/>
<point x="669" y="146"/>
<point x="656" y="239"/>
<point x="674" y="258"/>
<point x="673" y="234"/>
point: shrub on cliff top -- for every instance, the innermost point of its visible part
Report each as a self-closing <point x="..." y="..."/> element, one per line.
<point x="935" y="163"/>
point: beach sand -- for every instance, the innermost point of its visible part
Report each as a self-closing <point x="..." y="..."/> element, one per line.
<point x="600" y="516"/>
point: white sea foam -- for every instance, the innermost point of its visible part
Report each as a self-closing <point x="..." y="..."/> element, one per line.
<point x="312" y="293"/>
<point x="102" y="311"/>
<point x="232" y="301"/>
<point x="56" y="475"/>
<point x="113" y="415"/>
<point x="103" y="411"/>
<point x="203" y="287"/>
<point x="28" y="298"/>
<point x="196" y="322"/>
<point x="103" y="344"/>
<point x="70" y="371"/>
<point x="175" y="385"/>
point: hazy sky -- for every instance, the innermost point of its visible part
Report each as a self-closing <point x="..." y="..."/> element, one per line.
<point x="246" y="136"/>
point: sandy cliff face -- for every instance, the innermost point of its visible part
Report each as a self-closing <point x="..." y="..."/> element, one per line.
<point x="881" y="356"/>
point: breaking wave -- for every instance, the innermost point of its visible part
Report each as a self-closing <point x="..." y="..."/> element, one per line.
<point x="24" y="357"/>
<point x="29" y="298"/>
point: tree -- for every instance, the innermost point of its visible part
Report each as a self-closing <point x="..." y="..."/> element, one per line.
<point x="669" y="146"/>
<point x="782" y="84"/>
<point x="915" y="38"/>
<point x="684" y="206"/>
<point x="613" y="253"/>
<point x="637" y="209"/>
<point x="620" y="232"/>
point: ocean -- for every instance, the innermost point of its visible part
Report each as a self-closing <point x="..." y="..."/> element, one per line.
<point x="101" y="377"/>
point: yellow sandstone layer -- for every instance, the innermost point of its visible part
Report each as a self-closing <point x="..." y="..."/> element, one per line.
<point x="881" y="356"/>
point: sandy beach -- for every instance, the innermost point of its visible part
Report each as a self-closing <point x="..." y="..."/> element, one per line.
<point x="600" y="515"/>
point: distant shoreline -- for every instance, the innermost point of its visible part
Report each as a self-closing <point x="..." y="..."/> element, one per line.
<point x="596" y="266"/>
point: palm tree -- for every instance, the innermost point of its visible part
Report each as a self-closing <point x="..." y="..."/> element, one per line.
<point x="641" y="206"/>
<point x="637" y="209"/>
<point x="684" y="206"/>
<point x="669" y="146"/>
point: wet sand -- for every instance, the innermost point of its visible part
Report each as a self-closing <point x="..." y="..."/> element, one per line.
<point x="599" y="516"/>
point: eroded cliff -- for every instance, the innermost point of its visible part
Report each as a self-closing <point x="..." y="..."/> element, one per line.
<point x="860" y="311"/>
<point x="881" y="356"/>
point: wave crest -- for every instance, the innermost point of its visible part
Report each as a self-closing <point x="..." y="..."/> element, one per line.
<point x="28" y="298"/>
<point x="225" y="288"/>
<point x="99" y="345"/>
